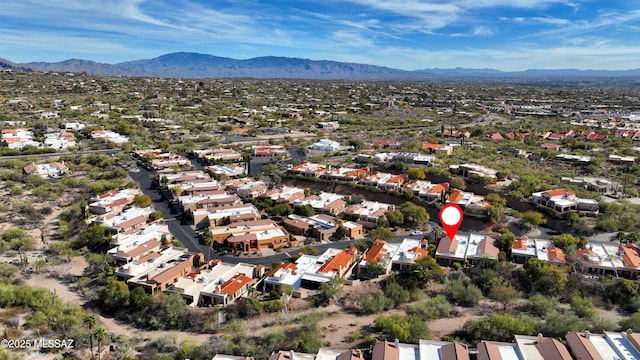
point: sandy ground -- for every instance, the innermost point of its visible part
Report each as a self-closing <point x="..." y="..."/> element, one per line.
<point x="67" y="293"/>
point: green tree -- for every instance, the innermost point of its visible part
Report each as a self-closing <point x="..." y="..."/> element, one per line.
<point x="395" y="217"/>
<point x="90" y="321"/>
<point x="583" y="306"/>
<point x="142" y="201"/>
<point x="427" y="269"/>
<point x="209" y="242"/>
<point x="533" y="218"/>
<point x="376" y="267"/>
<point x="458" y="182"/>
<point x="414" y="214"/>
<point x="115" y="295"/>
<point x="138" y="299"/>
<point x="101" y="335"/>
<point x="155" y="216"/>
<point x="283" y="209"/>
<point x="505" y="241"/>
<point x="546" y="278"/>
<point x="173" y="310"/>
<point x="95" y="237"/>
<point x="632" y="322"/>
<point x="416" y="173"/>
<point x="305" y="210"/>
<point x="382" y="233"/>
<point x="405" y="328"/>
<point x="541" y="306"/>
<point x="499" y="327"/>
<point x="356" y="143"/>
<point x="496" y="199"/>
<point x="463" y="295"/>
<point x="504" y="293"/>
<point x="434" y="308"/>
<point x="332" y="289"/>
<point x="565" y="240"/>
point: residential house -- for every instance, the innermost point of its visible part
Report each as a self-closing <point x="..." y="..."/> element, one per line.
<point x="252" y="190"/>
<point x="18" y="138"/>
<point x="262" y="151"/>
<point x="593" y="136"/>
<point x="551" y="146"/>
<point x="468" y="170"/>
<point x="462" y="249"/>
<point x="128" y="221"/>
<point x="193" y="176"/>
<point x="610" y="345"/>
<point x="222" y="284"/>
<point x="384" y="181"/>
<point x="327" y="145"/>
<point x="409" y="251"/>
<point x="563" y="201"/>
<point x="343" y="173"/>
<point x="379" y="252"/>
<point x="329" y="265"/>
<point x="284" y="194"/>
<point x="210" y="156"/>
<point x="111" y="136"/>
<point x="196" y="188"/>
<point x="540" y="347"/>
<point x="308" y="169"/>
<point x="367" y="212"/>
<point x="291" y="355"/>
<point x="157" y="271"/>
<point x="114" y="201"/>
<point x="386" y="144"/>
<point x="493" y="350"/>
<point x="425" y="349"/>
<point x="355" y="230"/>
<point x="471" y="203"/>
<point x="321" y="227"/>
<point x="250" y="235"/>
<point x="574" y="159"/>
<point x="444" y="149"/>
<point x="60" y="140"/>
<point x="52" y="170"/>
<point x="622" y="160"/>
<point x="309" y="271"/>
<point x="226" y="171"/>
<point x="218" y="216"/>
<point x="325" y="203"/>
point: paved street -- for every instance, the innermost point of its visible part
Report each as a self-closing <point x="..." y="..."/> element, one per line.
<point x="188" y="236"/>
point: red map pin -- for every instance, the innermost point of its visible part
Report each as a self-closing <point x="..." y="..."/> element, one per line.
<point x="451" y="216"/>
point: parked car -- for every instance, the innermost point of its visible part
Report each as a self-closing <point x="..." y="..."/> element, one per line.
<point x="416" y="233"/>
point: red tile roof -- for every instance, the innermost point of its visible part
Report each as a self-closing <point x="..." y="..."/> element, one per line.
<point x="376" y="251"/>
<point x="556" y="254"/>
<point x="630" y="256"/>
<point x="558" y="192"/>
<point x="284" y="266"/>
<point x="234" y="284"/>
<point x="455" y="195"/>
<point x="520" y="243"/>
<point x="338" y="263"/>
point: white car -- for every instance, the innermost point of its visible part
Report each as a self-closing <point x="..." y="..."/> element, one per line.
<point x="416" y="233"/>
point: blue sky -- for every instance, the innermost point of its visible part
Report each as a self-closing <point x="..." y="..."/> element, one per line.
<point x="409" y="34"/>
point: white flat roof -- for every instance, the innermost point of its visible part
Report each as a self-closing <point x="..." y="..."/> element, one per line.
<point x="623" y="346"/>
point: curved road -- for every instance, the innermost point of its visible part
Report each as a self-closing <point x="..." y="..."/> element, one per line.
<point x="185" y="233"/>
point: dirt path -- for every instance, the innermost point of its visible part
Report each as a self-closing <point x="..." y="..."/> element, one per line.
<point x="67" y="294"/>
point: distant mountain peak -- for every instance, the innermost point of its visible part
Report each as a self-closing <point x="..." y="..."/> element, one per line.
<point x="196" y="65"/>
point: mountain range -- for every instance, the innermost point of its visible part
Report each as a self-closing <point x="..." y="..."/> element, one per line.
<point x="194" y="65"/>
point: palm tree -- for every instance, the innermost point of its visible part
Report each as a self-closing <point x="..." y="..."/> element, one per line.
<point x="101" y="335"/>
<point x="208" y="242"/>
<point x="437" y="232"/>
<point x="90" y="322"/>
